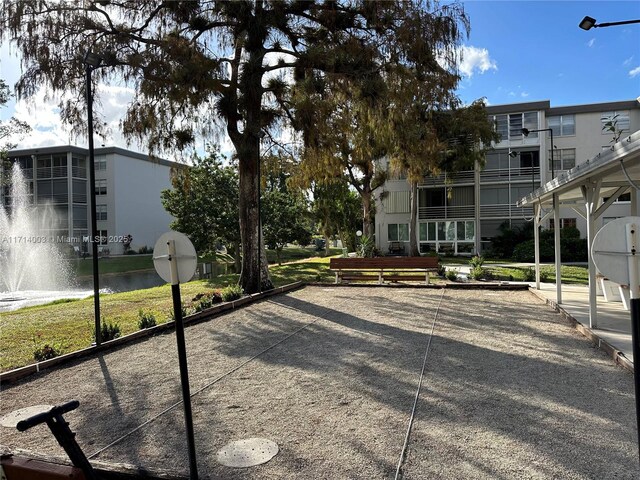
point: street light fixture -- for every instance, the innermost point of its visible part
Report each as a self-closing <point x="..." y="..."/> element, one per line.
<point x="93" y="61"/>
<point x="526" y="132"/>
<point x="588" y="23"/>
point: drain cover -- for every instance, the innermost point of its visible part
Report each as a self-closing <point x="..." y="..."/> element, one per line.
<point x="11" y="419"/>
<point x="247" y="452"/>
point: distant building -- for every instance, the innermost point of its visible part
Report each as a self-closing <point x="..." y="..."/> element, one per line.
<point x="461" y="213"/>
<point x="128" y="186"/>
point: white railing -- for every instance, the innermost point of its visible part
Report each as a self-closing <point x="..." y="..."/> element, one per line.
<point x="505" y="210"/>
<point x="456" y="211"/>
<point x="464" y="176"/>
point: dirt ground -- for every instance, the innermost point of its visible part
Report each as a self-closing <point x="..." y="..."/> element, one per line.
<point x="510" y="391"/>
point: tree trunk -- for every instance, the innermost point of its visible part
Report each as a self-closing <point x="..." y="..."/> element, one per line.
<point x="367" y="224"/>
<point x="414" y="251"/>
<point x="255" y="269"/>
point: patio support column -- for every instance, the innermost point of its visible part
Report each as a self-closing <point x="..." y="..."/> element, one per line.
<point x="537" y="207"/>
<point x="634" y="202"/>
<point x="556" y="242"/>
<point x="591" y="194"/>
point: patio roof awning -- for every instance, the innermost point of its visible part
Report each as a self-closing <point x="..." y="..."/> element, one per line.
<point x="589" y="189"/>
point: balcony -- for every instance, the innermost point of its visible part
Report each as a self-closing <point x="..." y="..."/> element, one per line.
<point x="462" y="177"/>
<point x="506" y="174"/>
<point x="458" y="211"/>
<point x="504" y="210"/>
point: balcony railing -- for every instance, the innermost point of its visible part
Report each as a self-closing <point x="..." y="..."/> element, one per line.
<point x="501" y="174"/>
<point x="504" y="210"/>
<point x="79" y="172"/>
<point x="465" y="176"/>
<point x="458" y="211"/>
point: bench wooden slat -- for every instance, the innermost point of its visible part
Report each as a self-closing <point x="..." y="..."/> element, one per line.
<point x="347" y="268"/>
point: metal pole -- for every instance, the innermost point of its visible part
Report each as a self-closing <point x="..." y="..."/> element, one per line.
<point x="182" y="360"/>
<point x="634" y="285"/>
<point x="553" y="175"/>
<point x="259" y="228"/>
<point x="92" y="196"/>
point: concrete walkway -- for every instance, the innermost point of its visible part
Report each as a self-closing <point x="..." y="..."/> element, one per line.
<point x="613" y="324"/>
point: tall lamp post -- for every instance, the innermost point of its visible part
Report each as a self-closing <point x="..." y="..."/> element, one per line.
<point x="91" y="62"/>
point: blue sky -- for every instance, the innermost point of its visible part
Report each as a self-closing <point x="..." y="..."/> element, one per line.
<point x="518" y="51"/>
<point x="535" y="51"/>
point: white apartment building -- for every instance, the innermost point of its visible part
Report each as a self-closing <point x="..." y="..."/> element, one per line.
<point x="460" y="213"/>
<point x="128" y="186"/>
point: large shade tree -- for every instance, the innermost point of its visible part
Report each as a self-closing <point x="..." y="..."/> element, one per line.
<point x="197" y="64"/>
<point x="203" y="201"/>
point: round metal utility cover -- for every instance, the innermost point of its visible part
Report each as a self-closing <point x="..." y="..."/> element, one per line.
<point x="612" y="239"/>
<point x="247" y="452"/>
<point x="186" y="256"/>
<point x="11" y="419"/>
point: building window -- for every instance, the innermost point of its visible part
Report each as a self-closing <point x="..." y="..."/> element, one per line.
<point x="620" y="119"/>
<point x="564" y="223"/>
<point x="101" y="164"/>
<point x="102" y="234"/>
<point x="502" y="126"/>
<point x="79" y="167"/>
<point x="624" y="198"/>
<point x="101" y="187"/>
<point x="398" y="232"/>
<point x="562" y="125"/>
<point x="101" y="212"/>
<point x="509" y="127"/>
<point x="449" y="236"/>
<point x="563" y="159"/>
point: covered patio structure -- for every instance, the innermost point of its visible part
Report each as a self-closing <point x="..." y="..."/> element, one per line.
<point x="589" y="189"/>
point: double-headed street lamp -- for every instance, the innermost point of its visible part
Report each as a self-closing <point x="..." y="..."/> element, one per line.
<point x="91" y="62"/>
<point x="526" y="132"/>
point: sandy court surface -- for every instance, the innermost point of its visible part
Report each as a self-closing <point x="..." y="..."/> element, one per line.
<point x="510" y="391"/>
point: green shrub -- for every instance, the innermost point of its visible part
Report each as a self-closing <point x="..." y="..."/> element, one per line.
<point x="476" y="261"/>
<point x="367" y="247"/>
<point x="145" y="249"/>
<point x="45" y="351"/>
<point x="108" y="331"/>
<point x="477" y="273"/>
<point x="529" y="274"/>
<point x="146" y="319"/>
<point x="230" y="293"/>
<point x="451" y="275"/>
<point x="205" y="300"/>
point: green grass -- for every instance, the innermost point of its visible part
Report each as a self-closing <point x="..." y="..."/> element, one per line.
<point x="570" y="274"/>
<point x="125" y="263"/>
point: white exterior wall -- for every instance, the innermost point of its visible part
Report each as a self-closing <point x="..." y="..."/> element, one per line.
<point x="137" y="210"/>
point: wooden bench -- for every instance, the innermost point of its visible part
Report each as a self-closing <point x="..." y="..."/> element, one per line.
<point x="387" y="268"/>
<point x="396" y="247"/>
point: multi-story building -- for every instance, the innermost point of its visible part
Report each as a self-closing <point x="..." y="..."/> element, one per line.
<point x="128" y="186"/>
<point x="461" y="212"/>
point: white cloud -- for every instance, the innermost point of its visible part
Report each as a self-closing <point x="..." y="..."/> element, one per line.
<point x="628" y="61"/>
<point x="524" y="94"/>
<point x="474" y="60"/>
<point x="635" y="72"/>
<point x="591" y="42"/>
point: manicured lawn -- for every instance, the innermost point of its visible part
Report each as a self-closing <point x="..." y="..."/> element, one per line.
<point x="570" y="274"/>
<point x="125" y="263"/>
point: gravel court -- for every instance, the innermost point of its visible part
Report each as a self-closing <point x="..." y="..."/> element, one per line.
<point x="510" y="391"/>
